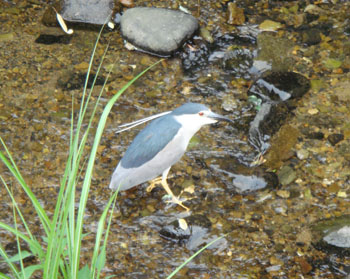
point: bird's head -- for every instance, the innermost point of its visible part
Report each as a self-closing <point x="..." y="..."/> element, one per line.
<point x="196" y="115"/>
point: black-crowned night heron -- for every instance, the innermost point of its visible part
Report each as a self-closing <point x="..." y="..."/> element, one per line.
<point x="160" y="145"/>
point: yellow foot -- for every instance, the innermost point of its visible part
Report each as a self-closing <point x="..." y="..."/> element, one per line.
<point x="163" y="182"/>
<point x="153" y="184"/>
<point x="178" y="202"/>
<point x="174" y="199"/>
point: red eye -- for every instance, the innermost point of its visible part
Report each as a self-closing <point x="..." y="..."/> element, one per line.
<point x="201" y="113"/>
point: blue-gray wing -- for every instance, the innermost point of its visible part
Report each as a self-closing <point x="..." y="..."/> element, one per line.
<point x="152" y="139"/>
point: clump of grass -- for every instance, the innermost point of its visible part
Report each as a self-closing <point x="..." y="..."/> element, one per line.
<point x="57" y="250"/>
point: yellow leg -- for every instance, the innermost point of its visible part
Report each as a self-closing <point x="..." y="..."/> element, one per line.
<point x="153" y="184"/>
<point x="173" y="197"/>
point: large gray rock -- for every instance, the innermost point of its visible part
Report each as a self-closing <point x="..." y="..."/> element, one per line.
<point x="87" y="11"/>
<point x="156" y="30"/>
<point x="333" y="235"/>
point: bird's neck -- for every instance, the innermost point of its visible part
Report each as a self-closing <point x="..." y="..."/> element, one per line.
<point x="189" y="125"/>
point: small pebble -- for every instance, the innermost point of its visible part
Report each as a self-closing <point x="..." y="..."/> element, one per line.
<point x="312" y="111"/>
<point x="335" y="138"/>
<point x="283" y="194"/>
<point x="127" y="3"/>
<point x="342" y="194"/>
<point x="269" y="25"/>
<point x="302" y="154"/>
<point x="235" y="14"/>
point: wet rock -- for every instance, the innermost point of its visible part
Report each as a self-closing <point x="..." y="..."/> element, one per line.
<point x="333" y="235"/>
<point x="342" y="91"/>
<point x="87" y="11"/>
<point x="276" y="92"/>
<point x="332" y="63"/>
<point x="193" y="236"/>
<point x="246" y="37"/>
<point x="235" y="15"/>
<point x="229" y="103"/>
<point x="72" y="81"/>
<point x="47" y="39"/>
<point x="339" y="238"/>
<point x="280" y="86"/>
<point x="269" y="25"/>
<point x="267" y="122"/>
<point x="283" y="193"/>
<point x="244" y="184"/>
<point x="281" y="146"/>
<point x="314" y="135"/>
<point x="195" y="56"/>
<point x="286" y="175"/>
<point x="302" y="154"/>
<point x="127" y="3"/>
<point x="279" y="207"/>
<point x="304" y="237"/>
<point x="335" y="138"/>
<point x="313" y="9"/>
<point x="276" y="51"/>
<point x="7" y="37"/>
<point x="344" y="150"/>
<point x="305" y="266"/>
<point x="244" y="180"/>
<point x="205" y="34"/>
<point x="311" y="36"/>
<point x="156" y="30"/>
<point x="238" y="61"/>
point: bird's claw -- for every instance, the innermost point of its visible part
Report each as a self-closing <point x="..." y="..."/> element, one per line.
<point x="178" y="202"/>
<point x="153" y="184"/>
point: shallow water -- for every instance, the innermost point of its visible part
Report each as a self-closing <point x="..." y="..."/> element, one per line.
<point x="268" y="228"/>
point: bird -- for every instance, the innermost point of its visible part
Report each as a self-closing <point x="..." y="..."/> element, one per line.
<point x="160" y="145"/>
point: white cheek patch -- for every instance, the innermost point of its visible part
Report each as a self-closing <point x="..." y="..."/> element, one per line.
<point x="193" y="122"/>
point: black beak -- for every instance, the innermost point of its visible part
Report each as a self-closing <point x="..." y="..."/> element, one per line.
<point x="219" y="117"/>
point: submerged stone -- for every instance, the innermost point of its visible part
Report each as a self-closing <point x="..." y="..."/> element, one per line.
<point x="245" y="180"/>
<point x="280" y="86"/>
<point x="157" y="30"/>
<point x="266" y="123"/>
<point x="235" y="15"/>
<point x="335" y="138"/>
<point x="72" y="81"/>
<point x="286" y="175"/>
<point x="193" y="236"/>
<point x="276" y="51"/>
<point x="87" y="11"/>
<point x="238" y="61"/>
<point x="333" y="235"/>
<point x="244" y="184"/>
<point x="277" y="92"/>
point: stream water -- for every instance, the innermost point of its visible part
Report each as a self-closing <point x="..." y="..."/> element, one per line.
<point x="266" y="191"/>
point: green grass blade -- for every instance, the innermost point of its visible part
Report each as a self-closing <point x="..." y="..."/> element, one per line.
<point x="12" y="267"/>
<point x="3" y="276"/>
<point x="94" y="263"/>
<point x="23" y="274"/>
<point x="84" y="273"/>
<point x="17" y="257"/>
<point x="17" y="208"/>
<point x="29" y="270"/>
<point x="89" y="169"/>
<point x="193" y="256"/>
<point x="14" y="170"/>
<point x="20" y="235"/>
